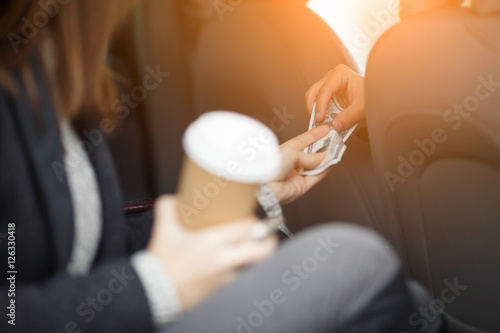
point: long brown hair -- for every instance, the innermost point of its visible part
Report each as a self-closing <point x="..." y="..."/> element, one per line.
<point x="71" y="37"/>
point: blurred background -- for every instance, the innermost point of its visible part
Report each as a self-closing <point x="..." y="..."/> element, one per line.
<point x="259" y="58"/>
<point x="359" y="23"/>
<point x="256" y="57"/>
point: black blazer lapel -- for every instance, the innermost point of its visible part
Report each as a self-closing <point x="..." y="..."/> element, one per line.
<point x="40" y="135"/>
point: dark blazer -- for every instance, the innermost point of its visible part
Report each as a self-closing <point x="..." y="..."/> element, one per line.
<point x="36" y="198"/>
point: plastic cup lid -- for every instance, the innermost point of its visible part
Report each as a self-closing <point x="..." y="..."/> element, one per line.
<point x="233" y="146"/>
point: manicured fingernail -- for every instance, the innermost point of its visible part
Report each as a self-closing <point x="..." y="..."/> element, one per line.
<point x="260" y="231"/>
<point x="338" y="126"/>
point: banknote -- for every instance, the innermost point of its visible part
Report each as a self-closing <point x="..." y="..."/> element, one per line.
<point x="333" y="143"/>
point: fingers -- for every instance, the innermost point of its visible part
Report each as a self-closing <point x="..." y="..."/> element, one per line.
<point x="291" y="150"/>
<point x="350" y="116"/>
<point x="165" y="224"/>
<point x="165" y="202"/>
<point x="166" y="213"/>
<point x="308" y="161"/>
<point x="306" y="139"/>
<point x="337" y="80"/>
<point x="299" y="159"/>
<point x="312" y="93"/>
<point x="247" y="253"/>
<point x="296" y="186"/>
<point x="232" y="232"/>
<point x="165" y="210"/>
<point x="343" y="82"/>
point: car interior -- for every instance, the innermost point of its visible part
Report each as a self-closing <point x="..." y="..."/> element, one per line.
<point x="424" y="171"/>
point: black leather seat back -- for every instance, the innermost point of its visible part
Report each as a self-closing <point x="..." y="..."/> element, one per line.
<point x="433" y="111"/>
<point x="446" y="195"/>
<point x="161" y="44"/>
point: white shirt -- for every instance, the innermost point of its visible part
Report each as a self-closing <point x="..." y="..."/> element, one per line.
<point x="87" y="215"/>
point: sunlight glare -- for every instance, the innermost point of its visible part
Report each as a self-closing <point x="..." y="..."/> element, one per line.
<point x="358" y="23"/>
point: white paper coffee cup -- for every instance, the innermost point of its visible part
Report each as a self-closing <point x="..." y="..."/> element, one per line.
<point x="228" y="155"/>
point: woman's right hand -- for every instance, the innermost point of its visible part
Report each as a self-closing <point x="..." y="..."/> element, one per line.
<point x="201" y="261"/>
<point x="290" y="184"/>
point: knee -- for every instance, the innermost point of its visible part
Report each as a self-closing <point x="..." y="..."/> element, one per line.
<point x="355" y="247"/>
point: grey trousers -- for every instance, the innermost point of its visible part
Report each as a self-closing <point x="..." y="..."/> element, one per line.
<point x="334" y="278"/>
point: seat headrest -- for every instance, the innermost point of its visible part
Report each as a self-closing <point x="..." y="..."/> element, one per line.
<point x="409" y="8"/>
<point x="412" y="7"/>
<point x="486" y="6"/>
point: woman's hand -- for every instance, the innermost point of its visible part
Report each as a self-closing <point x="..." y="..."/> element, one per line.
<point x="290" y="185"/>
<point x="349" y="88"/>
<point x="201" y="261"/>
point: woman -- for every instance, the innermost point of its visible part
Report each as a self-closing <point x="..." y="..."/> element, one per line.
<point x="78" y="266"/>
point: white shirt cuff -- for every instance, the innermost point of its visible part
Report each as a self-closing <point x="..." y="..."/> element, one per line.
<point x="161" y="292"/>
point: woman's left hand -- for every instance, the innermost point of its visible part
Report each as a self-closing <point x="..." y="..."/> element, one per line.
<point x="348" y="87"/>
<point x="290" y="185"/>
